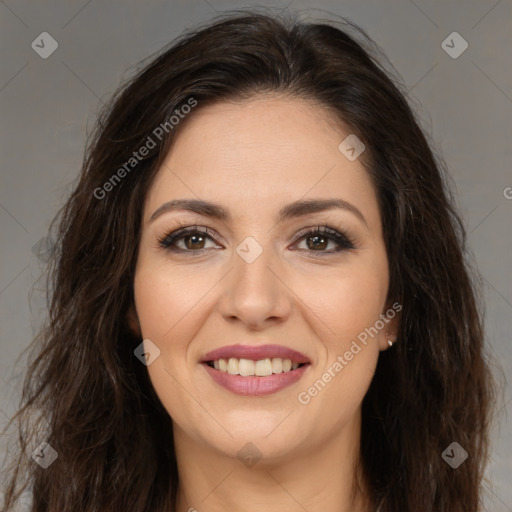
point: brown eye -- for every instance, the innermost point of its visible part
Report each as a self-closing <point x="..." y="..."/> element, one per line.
<point x="317" y="242"/>
<point x="191" y="239"/>
<point x="319" y="239"/>
<point x="195" y="241"/>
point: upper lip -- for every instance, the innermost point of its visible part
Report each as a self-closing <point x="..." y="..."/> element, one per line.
<point x="255" y="353"/>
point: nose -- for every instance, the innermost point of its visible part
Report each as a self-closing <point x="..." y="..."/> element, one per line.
<point x="255" y="293"/>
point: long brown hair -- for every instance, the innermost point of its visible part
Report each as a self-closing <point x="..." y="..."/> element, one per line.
<point x="111" y="433"/>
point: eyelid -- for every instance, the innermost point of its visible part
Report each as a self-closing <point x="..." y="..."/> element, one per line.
<point x="182" y="231"/>
<point x="343" y="240"/>
<point x="320" y="228"/>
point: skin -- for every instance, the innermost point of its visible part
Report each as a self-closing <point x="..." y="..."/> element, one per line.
<point x="252" y="158"/>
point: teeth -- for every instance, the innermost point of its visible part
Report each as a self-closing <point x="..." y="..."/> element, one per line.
<point x="249" y="368"/>
<point x="233" y="366"/>
<point x="277" y="365"/>
<point x="246" y="367"/>
<point x="263" y="367"/>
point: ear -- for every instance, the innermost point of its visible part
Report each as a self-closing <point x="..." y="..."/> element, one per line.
<point x="391" y="319"/>
<point x="133" y="321"/>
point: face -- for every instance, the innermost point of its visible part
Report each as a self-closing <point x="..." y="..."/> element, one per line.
<point x="292" y="256"/>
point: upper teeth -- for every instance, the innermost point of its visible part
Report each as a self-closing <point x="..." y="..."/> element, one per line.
<point x="248" y="367"/>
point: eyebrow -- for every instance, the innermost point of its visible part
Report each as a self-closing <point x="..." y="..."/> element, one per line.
<point x="292" y="210"/>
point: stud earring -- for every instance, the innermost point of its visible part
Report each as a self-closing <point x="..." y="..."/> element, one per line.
<point x="390" y="342"/>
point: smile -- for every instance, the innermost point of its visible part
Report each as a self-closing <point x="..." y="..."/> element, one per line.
<point x="255" y="370"/>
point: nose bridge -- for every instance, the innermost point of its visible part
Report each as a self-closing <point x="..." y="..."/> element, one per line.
<point x="254" y="293"/>
<point x="252" y="274"/>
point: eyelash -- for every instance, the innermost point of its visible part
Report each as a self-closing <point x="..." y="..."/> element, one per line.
<point x="344" y="242"/>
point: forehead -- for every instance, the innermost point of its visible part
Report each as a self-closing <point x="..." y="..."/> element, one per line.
<point x="259" y="154"/>
<point x="263" y="126"/>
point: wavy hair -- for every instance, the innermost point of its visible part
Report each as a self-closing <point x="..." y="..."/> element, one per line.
<point x="94" y="398"/>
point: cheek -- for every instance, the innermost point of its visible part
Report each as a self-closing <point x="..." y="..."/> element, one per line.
<point x="346" y="307"/>
<point x="166" y="298"/>
<point x="348" y="300"/>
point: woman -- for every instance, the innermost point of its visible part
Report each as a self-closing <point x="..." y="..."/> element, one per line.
<point x="260" y="296"/>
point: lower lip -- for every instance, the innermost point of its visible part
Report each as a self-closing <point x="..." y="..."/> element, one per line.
<point x="255" y="386"/>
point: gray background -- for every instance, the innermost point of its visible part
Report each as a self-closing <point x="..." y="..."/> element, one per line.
<point x="47" y="106"/>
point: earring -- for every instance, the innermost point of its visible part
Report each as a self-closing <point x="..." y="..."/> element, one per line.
<point x="390" y="343"/>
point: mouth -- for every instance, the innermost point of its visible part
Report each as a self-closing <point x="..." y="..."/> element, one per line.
<point x="249" y="370"/>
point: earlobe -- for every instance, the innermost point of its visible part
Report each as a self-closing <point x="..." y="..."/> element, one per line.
<point x="391" y="338"/>
<point x="390" y="331"/>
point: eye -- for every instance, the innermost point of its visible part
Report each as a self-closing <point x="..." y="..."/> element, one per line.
<point x="193" y="239"/>
<point x="318" y="240"/>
